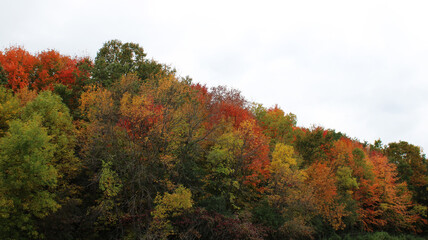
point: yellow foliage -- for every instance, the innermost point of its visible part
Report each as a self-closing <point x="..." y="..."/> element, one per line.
<point x="96" y="102"/>
<point x="282" y="157"/>
<point x="135" y="107"/>
<point x="169" y="205"/>
<point x="26" y="95"/>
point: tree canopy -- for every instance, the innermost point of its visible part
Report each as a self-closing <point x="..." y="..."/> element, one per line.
<point x="123" y="148"/>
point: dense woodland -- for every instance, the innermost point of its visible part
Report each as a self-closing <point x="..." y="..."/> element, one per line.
<point x="121" y="147"/>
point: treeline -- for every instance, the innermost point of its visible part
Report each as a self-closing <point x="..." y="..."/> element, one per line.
<point x="123" y="148"/>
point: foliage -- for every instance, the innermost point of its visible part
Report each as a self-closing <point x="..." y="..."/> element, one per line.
<point x="26" y="179"/>
<point x="169" y="205"/>
<point x="116" y="59"/>
<point x="41" y="71"/>
<point x="123" y="148"/>
<point x="18" y="64"/>
<point x="275" y="124"/>
<point x="9" y="108"/>
<point x="412" y="167"/>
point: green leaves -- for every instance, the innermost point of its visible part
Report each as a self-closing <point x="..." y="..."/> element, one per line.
<point x="345" y="180"/>
<point x="109" y="182"/>
<point x="115" y="59"/>
<point x="150" y="146"/>
<point x="27" y="176"/>
<point x="37" y="159"/>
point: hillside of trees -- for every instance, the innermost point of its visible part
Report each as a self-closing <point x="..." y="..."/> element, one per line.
<point x="121" y="147"/>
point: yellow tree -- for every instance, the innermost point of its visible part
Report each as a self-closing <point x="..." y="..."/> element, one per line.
<point x="289" y="193"/>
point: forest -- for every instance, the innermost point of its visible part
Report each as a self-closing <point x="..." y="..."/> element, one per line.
<point x="121" y="147"/>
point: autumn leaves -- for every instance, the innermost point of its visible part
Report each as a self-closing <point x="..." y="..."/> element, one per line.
<point x="125" y="148"/>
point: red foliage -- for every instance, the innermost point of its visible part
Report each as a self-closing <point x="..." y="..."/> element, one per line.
<point x="41" y="71"/>
<point x="142" y="119"/>
<point x="203" y="96"/>
<point x="229" y="105"/>
<point x="255" y="154"/>
<point x="54" y="68"/>
<point x="19" y="66"/>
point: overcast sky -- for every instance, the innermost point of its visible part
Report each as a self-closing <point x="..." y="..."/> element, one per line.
<point x="358" y="67"/>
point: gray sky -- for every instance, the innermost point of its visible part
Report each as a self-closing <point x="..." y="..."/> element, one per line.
<point x="360" y="67"/>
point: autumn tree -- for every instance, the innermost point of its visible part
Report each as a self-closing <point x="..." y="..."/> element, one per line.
<point x="169" y="205"/>
<point x="289" y="194"/>
<point x="150" y="129"/>
<point x="123" y="148"/>
<point x="230" y="106"/>
<point x="18" y="65"/>
<point x="322" y="179"/>
<point x="276" y="124"/>
<point x="385" y="203"/>
<point x="316" y="144"/>
<point x="41" y="71"/>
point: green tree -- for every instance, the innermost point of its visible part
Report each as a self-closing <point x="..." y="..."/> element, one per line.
<point x="412" y="168"/>
<point x="275" y="124"/>
<point x="316" y="144"/>
<point x="115" y="59"/>
<point x="55" y="117"/>
<point x="26" y="178"/>
<point x="56" y="120"/>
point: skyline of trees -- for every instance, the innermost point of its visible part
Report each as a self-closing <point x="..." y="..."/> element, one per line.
<point x="123" y="148"/>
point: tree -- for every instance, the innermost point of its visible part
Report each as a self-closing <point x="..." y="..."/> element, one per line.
<point x="276" y="124"/>
<point x="55" y="117"/>
<point x="42" y="71"/>
<point x="19" y="67"/>
<point x="412" y="168"/>
<point x="169" y="205"/>
<point x="289" y="194"/>
<point x="115" y="59"/>
<point x="229" y="105"/>
<point x="384" y="203"/>
<point x="27" y="178"/>
<point x="321" y="179"/>
<point x="146" y="127"/>
<point x="316" y="144"/>
<point x="53" y="68"/>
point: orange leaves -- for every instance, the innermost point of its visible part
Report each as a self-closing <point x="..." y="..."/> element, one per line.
<point x="19" y="65"/>
<point x="395" y="198"/>
<point x="255" y="152"/>
<point x="96" y="103"/>
<point x="383" y="203"/>
<point x="322" y="181"/>
<point x="139" y="114"/>
<point x="39" y="71"/>
<point x="54" y="68"/>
